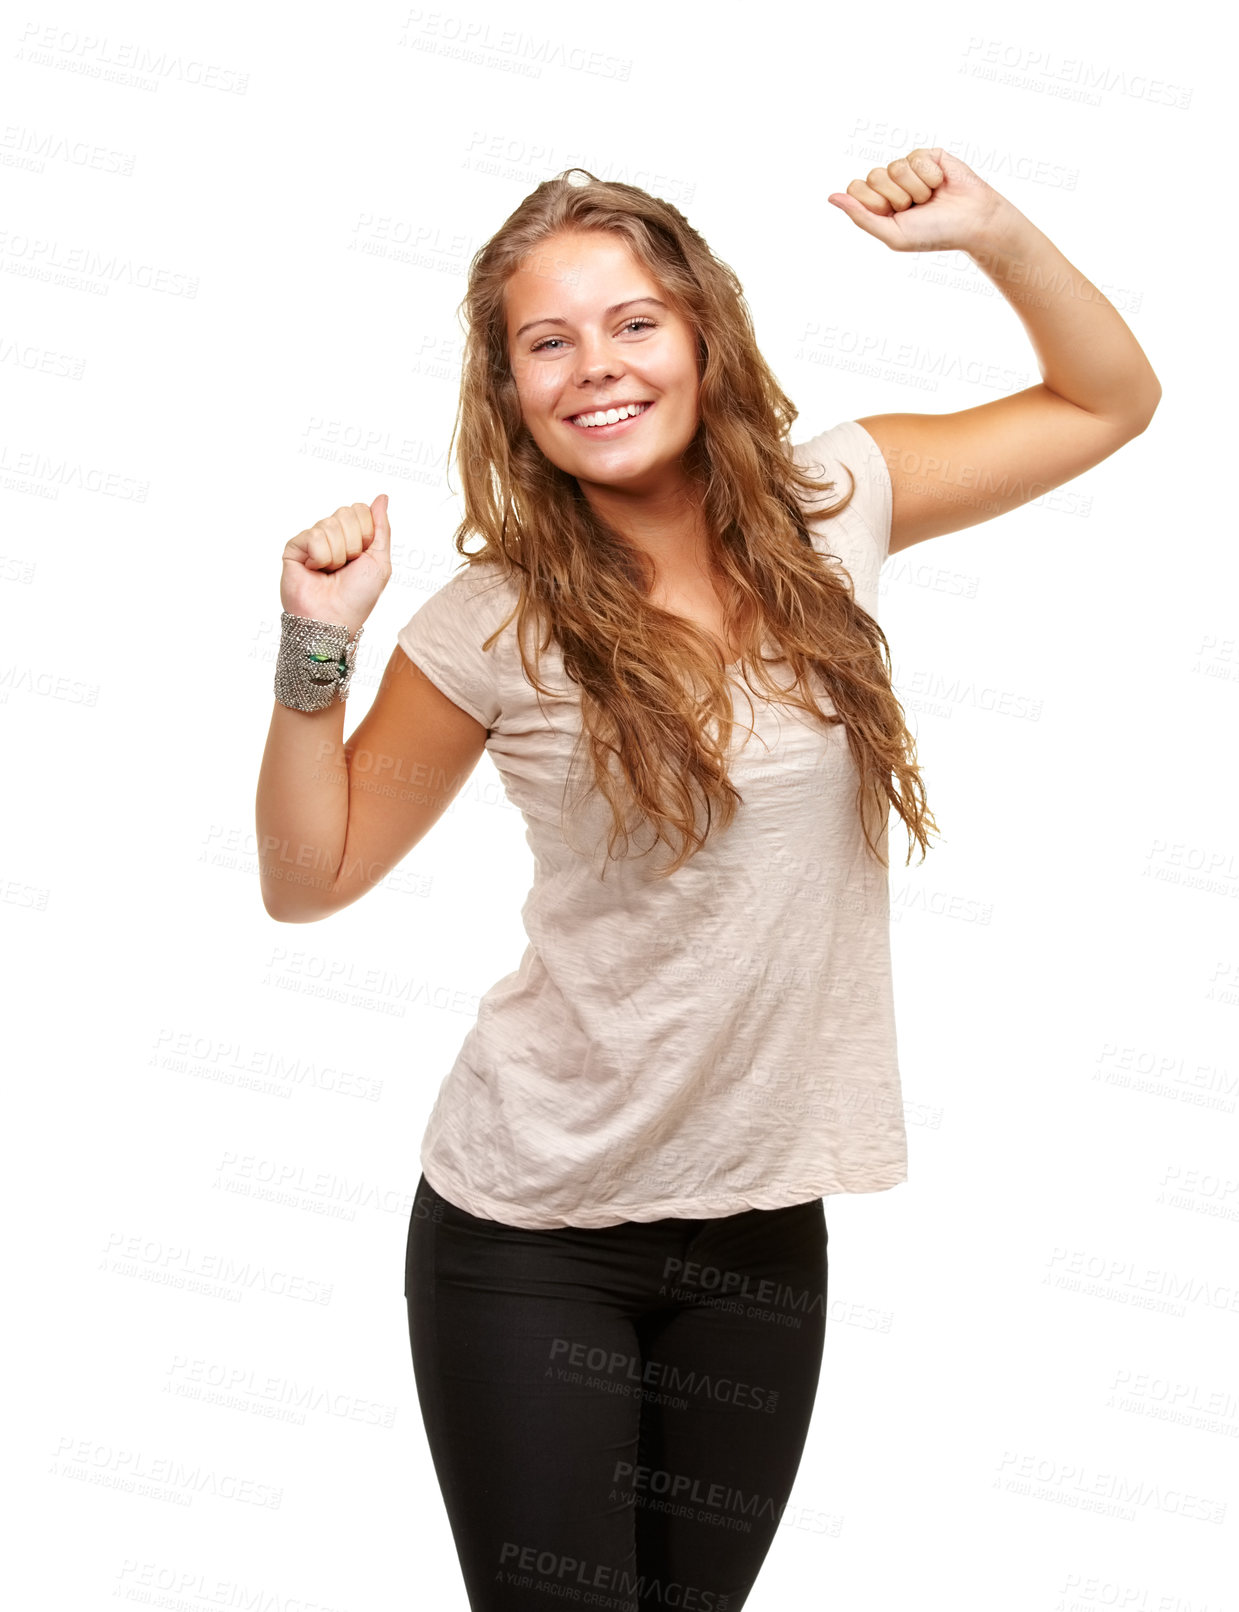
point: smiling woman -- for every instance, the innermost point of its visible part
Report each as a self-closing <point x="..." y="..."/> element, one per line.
<point x="699" y="1041"/>
<point x="637" y="350"/>
<point x="662" y="551"/>
<point x="654" y="550"/>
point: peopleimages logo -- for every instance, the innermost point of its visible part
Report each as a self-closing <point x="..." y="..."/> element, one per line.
<point x="523" y="1565"/>
<point x="570" y="1357"/>
<point x="1066" y="77"/>
<point x="507" y="49"/>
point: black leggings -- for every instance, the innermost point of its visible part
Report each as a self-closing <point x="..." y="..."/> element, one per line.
<point x="615" y="1414"/>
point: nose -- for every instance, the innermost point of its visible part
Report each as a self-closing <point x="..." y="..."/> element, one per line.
<point x="597" y="361"/>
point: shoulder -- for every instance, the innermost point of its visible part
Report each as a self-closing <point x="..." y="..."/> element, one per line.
<point x="446" y="633"/>
<point x="847" y="455"/>
<point x="479" y="595"/>
<point x="477" y="584"/>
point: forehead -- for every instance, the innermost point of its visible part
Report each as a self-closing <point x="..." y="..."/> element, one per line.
<point x="574" y="276"/>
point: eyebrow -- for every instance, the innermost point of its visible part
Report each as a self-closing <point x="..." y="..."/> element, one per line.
<point x="616" y="307"/>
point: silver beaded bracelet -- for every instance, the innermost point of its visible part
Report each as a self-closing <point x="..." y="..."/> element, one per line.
<point x="315" y="662"/>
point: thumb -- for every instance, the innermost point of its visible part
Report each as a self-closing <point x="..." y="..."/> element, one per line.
<point x="380" y="545"/>
<point x="872" y="223"/>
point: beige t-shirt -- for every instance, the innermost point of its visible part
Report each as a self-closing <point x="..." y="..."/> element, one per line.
<point x="719" y="1040"/>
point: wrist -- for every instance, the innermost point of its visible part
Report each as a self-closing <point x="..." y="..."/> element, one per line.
<point x="1007" y="233"/>
<point x="315" y="662"/>
<point x="339" y="620"/>
<point x="328" y="616"/>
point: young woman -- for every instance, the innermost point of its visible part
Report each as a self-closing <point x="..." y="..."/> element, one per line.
<point x="616" y="1264"/>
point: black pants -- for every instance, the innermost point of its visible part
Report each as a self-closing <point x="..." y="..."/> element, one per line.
<point x="615" y="1414"/>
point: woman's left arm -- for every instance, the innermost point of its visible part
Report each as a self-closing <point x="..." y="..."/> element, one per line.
<point x="950" y="471"/>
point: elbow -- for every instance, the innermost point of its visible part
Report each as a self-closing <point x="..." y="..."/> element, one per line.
<point x="278" y="907"/>
<point x="277" y="913"/>
<point x="1152" y="397"/>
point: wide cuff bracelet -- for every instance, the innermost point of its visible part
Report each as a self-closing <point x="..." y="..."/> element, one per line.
<point x="315" y="662"/>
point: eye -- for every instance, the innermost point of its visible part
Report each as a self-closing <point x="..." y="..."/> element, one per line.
<point x="639" y="320"/>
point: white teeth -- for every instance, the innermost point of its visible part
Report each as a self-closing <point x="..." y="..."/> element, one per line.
<point x="609" y="416"/>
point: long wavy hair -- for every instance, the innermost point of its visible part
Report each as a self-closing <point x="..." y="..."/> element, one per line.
<point x="655" y="692"/>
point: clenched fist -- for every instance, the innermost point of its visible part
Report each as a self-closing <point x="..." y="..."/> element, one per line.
<point x="928" y="201"/>
<point x="336" y="569"/>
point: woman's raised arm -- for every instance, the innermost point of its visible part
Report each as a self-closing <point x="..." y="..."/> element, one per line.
<point x="1098" y="389"/>
<point x="334" y="818"/>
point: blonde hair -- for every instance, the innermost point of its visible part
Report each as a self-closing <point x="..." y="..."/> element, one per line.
<point x="579" y="581"/>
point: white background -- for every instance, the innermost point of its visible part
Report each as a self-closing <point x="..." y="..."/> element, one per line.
<point x="233" y="247"/>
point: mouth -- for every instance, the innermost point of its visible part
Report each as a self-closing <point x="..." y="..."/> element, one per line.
<point x="614" y="428"/>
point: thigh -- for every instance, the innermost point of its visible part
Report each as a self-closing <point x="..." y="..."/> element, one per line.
<point x="738" y="1367"/>
<point x="528" y="1377"/>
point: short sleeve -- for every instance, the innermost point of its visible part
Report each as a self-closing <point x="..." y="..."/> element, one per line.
<point x="849" y="444"/>
<point x="444" y="637"/>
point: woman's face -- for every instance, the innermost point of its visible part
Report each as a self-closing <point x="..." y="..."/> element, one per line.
<point x="588" y="328"/>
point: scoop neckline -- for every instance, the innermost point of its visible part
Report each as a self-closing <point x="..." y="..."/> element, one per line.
<point x="738" y="664"/>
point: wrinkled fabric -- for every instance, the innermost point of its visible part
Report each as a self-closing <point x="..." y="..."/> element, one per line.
<point x="716" y="1041"/>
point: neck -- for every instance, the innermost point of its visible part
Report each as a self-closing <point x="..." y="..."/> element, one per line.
<point x="667" y="525"/>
